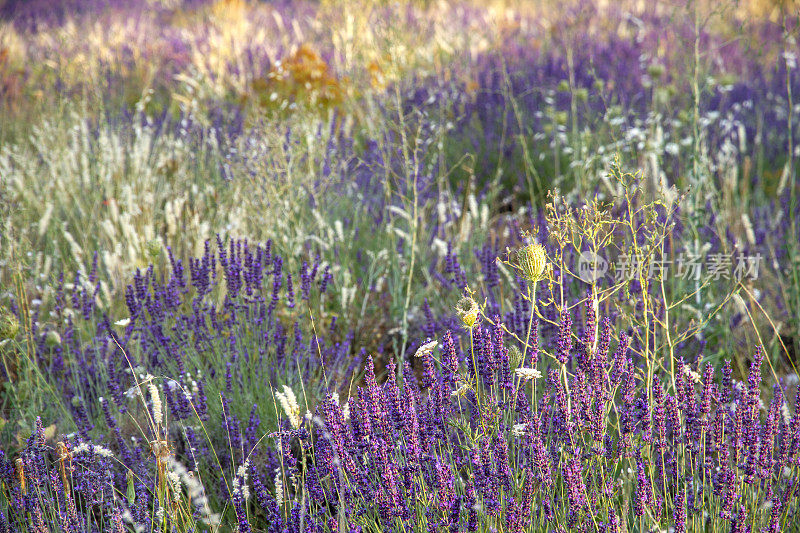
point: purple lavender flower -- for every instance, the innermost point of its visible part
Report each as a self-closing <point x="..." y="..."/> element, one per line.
<point x="620" y="357"/>
<point x="644" y="490"/>
<point x="576" y="488"/>
<point x="542" y="462"/>
<point x="739" y="524"/>
<point x="449" y="357"/>
<point x="727" y="383"/>
<point x="444" y="482"/>
<point x="564" y="337"/>
<point x="589" y="325"/>
<point x="729" y="492"/>
<point x="305" y="281"/>
<point x="613" y="521"/>
<point x="679" y="514"/>
<point x="289" y="291"/>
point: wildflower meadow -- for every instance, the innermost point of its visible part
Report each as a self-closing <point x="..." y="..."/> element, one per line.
<point x="351" y="266"/>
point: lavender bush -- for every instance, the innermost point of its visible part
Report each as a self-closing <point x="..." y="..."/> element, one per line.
<point x="570" y="435"/>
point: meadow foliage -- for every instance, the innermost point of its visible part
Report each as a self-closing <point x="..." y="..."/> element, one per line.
<point x="411" y="266"/>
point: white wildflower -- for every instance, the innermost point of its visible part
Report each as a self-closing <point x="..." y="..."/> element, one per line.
<point x="528" y="373"/>
<point x="748" y="229"/>
<point x="53" y="338"/>
<point x="175" y="481"/>
<point x="425" y="349"/>
<point x="460" y="391"/>
<point x="691" y="374"/>
<point x="519" y="430"/>
<point x="787" y="416"/>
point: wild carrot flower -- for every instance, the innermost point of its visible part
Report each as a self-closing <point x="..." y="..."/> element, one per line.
<point x="527" y="374"/>
<point x="532" y="262"/>
<point x="518" y="430"/>
<point x="468" y="310"/>
<point x="426" y="349"/>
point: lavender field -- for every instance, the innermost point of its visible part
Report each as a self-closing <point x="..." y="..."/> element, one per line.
<point x="398" y="266"/>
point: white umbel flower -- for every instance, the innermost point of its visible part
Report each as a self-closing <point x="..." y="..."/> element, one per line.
<point x="528" y="373"/>
<point x="425" y="349"/>
<point x="691" y="374"/>
<point x="460" y="391"/>
<point x="519" y="430"/>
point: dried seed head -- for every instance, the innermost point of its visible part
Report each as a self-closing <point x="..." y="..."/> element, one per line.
<point x="532" y="261"/>
<point x="467" y="309"/>
<point x="62" y="451"/>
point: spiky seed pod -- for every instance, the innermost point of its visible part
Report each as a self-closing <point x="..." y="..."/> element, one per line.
<point x="532" y="261"/>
